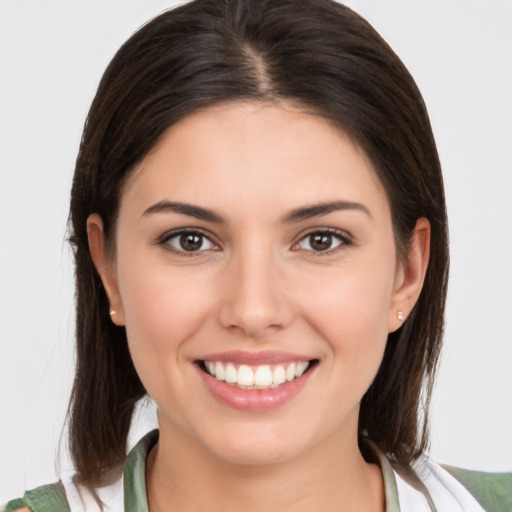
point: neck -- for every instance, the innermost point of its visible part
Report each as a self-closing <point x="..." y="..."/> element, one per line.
<point x="181" y="475"/>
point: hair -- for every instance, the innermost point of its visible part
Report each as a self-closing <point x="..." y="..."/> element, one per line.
<point x="318" y="54"/>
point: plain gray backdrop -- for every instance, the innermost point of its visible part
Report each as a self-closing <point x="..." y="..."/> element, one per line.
<point x="52" y="54"/>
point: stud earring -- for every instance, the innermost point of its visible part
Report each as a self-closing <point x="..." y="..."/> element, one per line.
<point x="400" y="315"/>
<point x="112" y="312"/>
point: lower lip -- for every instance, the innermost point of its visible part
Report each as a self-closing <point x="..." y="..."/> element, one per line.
<point x="254" y="400"/>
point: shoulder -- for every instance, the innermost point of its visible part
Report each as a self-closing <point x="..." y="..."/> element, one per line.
<point x="492" y="490"/>
<point x="70" y="496"/>
<point x="67" y="496"/>
<point x="47" y="498"/>
<point x="15" y="506"/>
<point x="451" y="488"/>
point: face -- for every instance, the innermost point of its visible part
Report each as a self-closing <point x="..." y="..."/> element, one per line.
<point x="256" y="274"/>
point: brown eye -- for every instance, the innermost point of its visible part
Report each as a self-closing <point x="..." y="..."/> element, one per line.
<point x="189" y="241"/>
<point x="320" y="241"/>
<point x="323" y="241"/>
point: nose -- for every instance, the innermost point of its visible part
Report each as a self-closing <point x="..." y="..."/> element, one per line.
<point x="255" y="301"/>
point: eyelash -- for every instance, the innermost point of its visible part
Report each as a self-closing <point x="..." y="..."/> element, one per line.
<point x="165" y="239"/>
<point x="343" y="238"/>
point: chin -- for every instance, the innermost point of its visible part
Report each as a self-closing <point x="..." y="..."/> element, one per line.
<point x="247" y="454"/>
<point x="258" y="444"/>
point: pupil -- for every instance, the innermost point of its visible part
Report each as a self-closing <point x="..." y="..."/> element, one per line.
<point x="191" y="241"/>
<point x="320" y="242"/>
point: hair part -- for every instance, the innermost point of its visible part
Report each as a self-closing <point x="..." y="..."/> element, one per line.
<point x="318" y="54"/>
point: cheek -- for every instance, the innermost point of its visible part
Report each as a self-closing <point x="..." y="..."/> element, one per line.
<point x="350" y="311"/>
<point x="163" y="310"/>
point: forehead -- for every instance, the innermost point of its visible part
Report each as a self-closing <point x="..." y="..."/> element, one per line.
<point x="255" y="153"/>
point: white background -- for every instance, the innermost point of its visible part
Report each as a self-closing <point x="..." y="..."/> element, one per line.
<point x="52" y="54"/>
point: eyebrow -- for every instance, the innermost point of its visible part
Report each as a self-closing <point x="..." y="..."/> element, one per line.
<point x="317" y="210"/>
<point x="185" y="209"/>
<point x="296" y="215"/>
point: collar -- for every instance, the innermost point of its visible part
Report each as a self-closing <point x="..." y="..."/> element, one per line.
<point x="134" y="475"/>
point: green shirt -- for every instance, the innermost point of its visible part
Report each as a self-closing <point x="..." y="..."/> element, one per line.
<point x="493" y="491"/>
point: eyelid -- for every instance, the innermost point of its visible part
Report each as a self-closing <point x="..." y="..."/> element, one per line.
<point x="173" y="233"/>
<point x="345" y="238"/>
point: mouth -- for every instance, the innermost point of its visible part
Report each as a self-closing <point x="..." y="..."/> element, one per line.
<point x="256" y="377"/>
<point x="255" y="381"/>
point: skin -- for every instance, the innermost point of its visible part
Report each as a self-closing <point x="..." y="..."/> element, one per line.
<point x="258" y="285"/>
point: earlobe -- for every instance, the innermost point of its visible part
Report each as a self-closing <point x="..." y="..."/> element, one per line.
<point x="96" y="239"/>
<point x="411" y="275"/>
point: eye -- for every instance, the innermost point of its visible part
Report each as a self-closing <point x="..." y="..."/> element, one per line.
<point x="188" y="241"/>
<point x="323" y="241"/>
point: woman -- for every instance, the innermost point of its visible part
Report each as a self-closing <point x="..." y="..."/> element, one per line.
<point x="261" y="246"/>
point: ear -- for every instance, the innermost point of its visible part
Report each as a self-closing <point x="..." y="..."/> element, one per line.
<point x="105" y="267"/>
<point x="410" y="275"/>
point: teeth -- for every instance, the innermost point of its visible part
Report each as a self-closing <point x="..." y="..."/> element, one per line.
<point x="263" y="376"/>
<point x="245" y="376"/>
<point x="219" y="371"/>
<point x="290" y="372"/>
<point x="231" y="373"/>
<point x="301" y="368"/>
<point x="258" y="377"/>
<point x="279" y="375"/>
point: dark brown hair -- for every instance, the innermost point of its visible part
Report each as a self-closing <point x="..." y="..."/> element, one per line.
<point x="320" y="55"/>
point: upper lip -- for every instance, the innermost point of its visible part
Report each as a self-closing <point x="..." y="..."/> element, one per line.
<point x="255" y="358"/>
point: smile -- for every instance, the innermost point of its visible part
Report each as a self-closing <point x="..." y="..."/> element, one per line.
<point x="263" y="376"/>
<point x="255" y="381"/>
